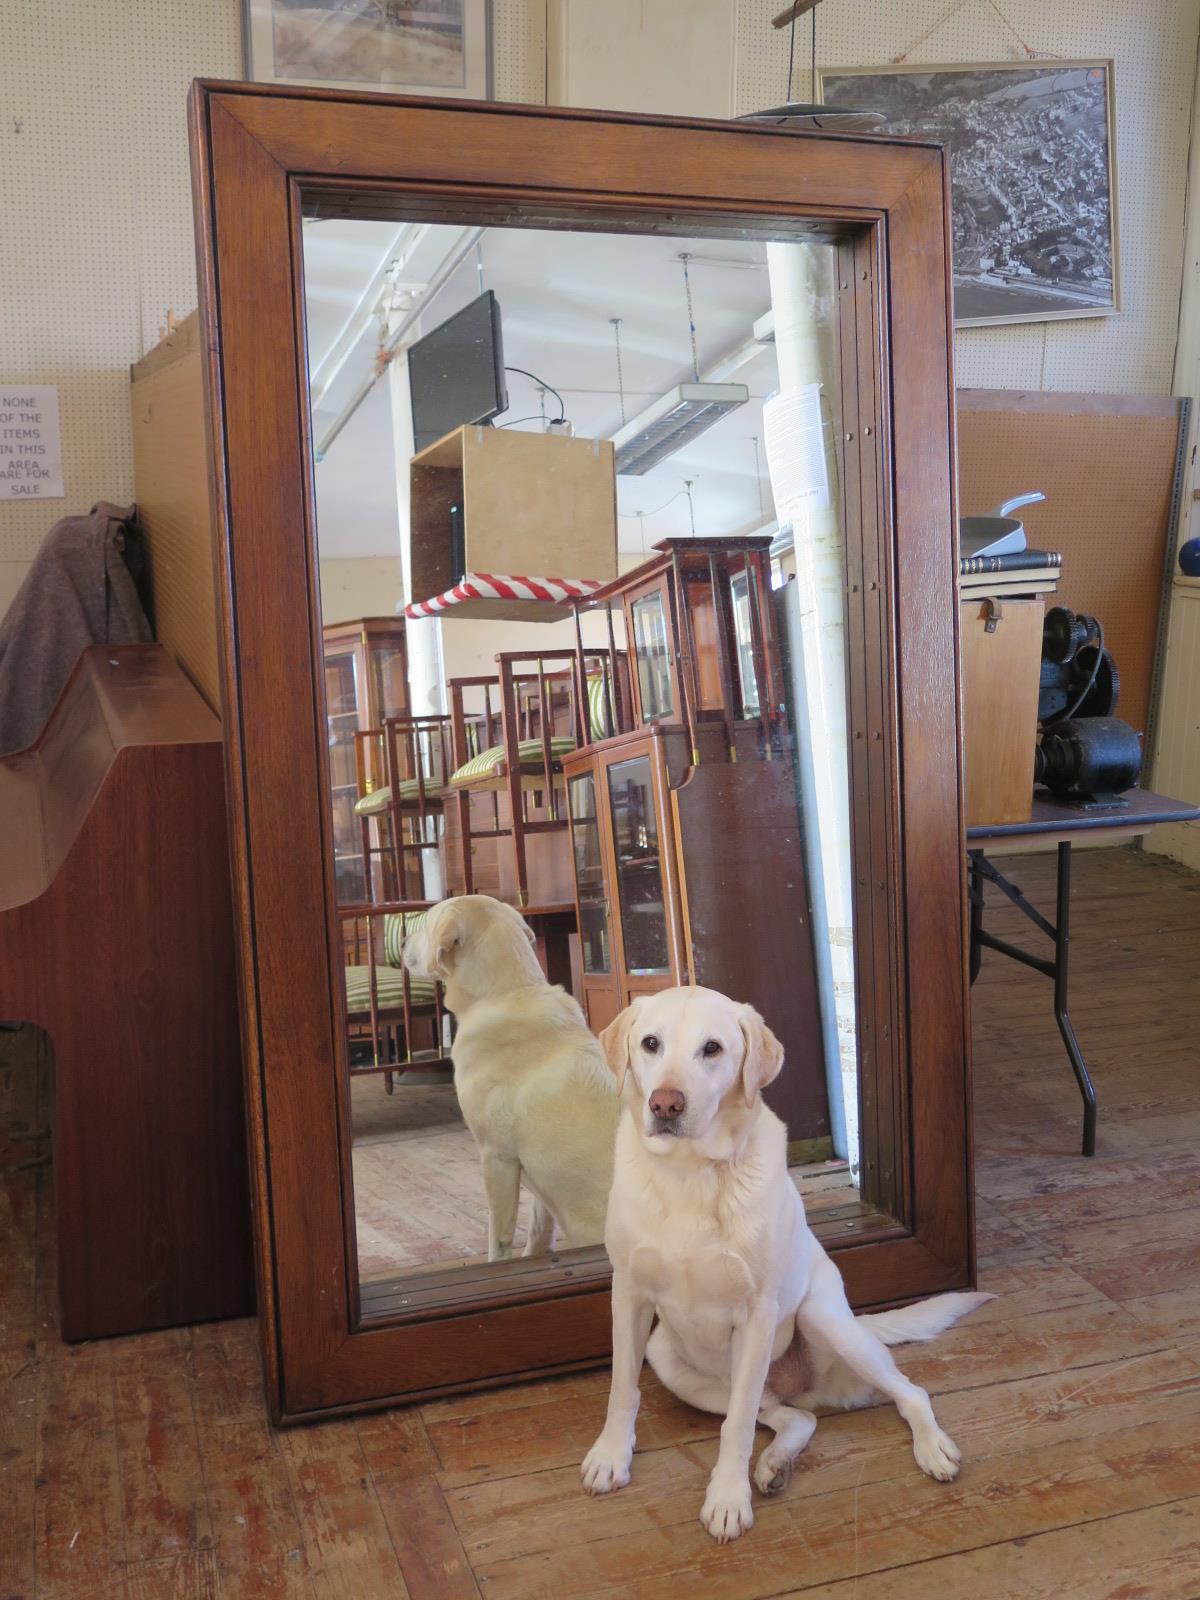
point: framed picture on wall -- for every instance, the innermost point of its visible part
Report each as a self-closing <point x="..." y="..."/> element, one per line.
<point x="1033" y="169"/>
<point x="433" y="47"/>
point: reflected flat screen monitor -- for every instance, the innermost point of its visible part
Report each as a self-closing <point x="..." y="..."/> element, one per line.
<point x="456" y="372"/>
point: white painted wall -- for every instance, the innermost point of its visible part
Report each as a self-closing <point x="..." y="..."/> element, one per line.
<point x="97" y="209"/>
<point x="367" y="586"/>
<point x="654" y="55"/>
<point x="97" y="220"/>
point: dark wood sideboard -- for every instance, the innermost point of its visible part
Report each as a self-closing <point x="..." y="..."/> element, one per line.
<point x="116" y="928"/>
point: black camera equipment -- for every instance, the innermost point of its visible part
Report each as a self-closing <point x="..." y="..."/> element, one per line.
<point x="1087" y="756"/>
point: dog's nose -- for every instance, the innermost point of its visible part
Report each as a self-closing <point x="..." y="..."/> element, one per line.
<point x="668" y="1103"/>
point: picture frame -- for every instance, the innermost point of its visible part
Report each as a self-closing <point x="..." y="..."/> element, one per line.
<point x="1019" y="134"/>
<point x="421" y="47"/>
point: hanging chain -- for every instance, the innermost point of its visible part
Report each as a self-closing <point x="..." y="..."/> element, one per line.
<point x="687" y="289"/>
<point x="687" y="483"/>
<point x="616" y="328"/>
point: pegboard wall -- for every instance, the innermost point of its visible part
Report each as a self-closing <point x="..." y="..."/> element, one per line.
<point x="97" y="225"/>
<point x="98" y="219"/>
<point x="1153" y="45"/>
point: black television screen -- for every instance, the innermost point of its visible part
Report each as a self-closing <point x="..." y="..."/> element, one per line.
<point x="456" y="372"/>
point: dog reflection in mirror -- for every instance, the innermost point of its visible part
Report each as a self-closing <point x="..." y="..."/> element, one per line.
<point x="707" y="1230"/>
<point x="531" y="1078"/>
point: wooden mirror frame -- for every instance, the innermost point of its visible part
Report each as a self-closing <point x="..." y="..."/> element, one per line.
<point x="260" y="157"/>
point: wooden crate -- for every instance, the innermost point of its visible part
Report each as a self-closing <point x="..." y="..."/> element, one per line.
<point x="534" y="505"/>
<point x="1000" y="672"/>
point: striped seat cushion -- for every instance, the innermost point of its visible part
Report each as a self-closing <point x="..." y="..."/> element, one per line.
<point x="395" y="926"/>
<point x="598" y="708"/>
<point x="380" y="799"/>
<point x="389" y="990"/>
<point x="489" y="762"/>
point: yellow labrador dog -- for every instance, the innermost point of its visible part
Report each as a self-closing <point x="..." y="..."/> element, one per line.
<point x="530" y="1076"/>
<point x="706" y="1229"/>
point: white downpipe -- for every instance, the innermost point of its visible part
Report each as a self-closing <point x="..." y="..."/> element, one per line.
<point x="803" y="299"/>
<point x="426" y="679"/>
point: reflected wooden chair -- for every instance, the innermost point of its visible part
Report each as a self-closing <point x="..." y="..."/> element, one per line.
<point x="544" y="714"/>
<point x="402" y="770"/>
<point x="402" y="1018"/>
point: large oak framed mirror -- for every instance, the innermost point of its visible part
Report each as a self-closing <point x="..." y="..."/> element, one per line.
<point x="651" y="467"/>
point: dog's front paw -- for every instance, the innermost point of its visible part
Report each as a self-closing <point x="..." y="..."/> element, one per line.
<point x="938" y="1455"/>
<point x="726" y="1510"/>
<point x="606" y="1466"/>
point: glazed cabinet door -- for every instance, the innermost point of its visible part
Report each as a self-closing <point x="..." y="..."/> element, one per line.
<point x="591" y="848"/>
<point x="644" y="893"/>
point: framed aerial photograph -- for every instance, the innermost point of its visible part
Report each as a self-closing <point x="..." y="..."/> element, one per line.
<point x="1033" y="170"/>
<point x="433" y="47"/>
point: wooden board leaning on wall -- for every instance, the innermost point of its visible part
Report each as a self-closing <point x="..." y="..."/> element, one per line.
<point x="1108" y="466"/>
<point x="170" y="477"/>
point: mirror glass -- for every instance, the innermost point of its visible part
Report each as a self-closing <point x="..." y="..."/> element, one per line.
<point x="604" y="473"/>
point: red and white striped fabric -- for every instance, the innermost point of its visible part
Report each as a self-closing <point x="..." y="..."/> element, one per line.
<point x="490" y="586"/>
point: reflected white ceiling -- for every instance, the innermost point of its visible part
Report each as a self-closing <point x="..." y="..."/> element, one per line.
<point x="557" y="293"/>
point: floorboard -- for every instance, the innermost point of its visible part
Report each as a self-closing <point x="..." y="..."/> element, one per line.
<point x="145" y="1469"/>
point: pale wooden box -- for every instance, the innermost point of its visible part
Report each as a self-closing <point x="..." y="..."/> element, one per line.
<point x="534" y="505"/>
<point x="1001" y="671"/>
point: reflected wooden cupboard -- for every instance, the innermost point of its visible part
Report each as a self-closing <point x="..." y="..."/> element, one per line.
<point x="263" y="158"/>
<point x="366" y="680"/>
<point x="689" y="865"/>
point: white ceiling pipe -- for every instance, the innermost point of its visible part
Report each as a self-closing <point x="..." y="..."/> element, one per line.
<point x="322" y="375"/>
<point x="397" y="340"/>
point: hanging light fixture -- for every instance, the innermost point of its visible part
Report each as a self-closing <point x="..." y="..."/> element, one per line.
<point x="807" y="114"/>
<point x="680" y="415"/>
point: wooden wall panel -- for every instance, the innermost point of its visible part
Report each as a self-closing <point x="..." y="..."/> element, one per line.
<point x="1106" y="464"/>
<point x="170" y="466"/>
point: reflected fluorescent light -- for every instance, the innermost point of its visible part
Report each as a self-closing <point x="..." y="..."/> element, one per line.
<point x="672" y="422"/>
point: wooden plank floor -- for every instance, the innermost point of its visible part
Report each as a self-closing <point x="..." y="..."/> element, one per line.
<point x="143" y="1467"/>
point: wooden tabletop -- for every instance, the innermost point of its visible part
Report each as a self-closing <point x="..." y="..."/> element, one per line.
<point x="1144" y="811"/>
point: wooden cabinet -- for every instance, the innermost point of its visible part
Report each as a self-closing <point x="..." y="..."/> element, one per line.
<point x="366" y="679"/>
<point x="626" y="878"/>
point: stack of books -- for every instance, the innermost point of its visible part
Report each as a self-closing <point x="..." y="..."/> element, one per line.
<point x="1015" y="573"/>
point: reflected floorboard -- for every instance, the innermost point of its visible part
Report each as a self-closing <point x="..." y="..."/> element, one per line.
<point x="418" y="1194"/>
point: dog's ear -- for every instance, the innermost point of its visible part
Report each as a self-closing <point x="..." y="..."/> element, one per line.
<point x="445" y="939"/>
<point x="614" y="1041"/>
<point x="764" y="1053"/>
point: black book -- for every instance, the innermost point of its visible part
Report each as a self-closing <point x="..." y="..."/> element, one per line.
<point x="1015" y="561"/>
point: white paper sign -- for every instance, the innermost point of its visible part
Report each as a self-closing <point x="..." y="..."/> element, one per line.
<point x="30" y="443"/>
<point x="795" y="444"/>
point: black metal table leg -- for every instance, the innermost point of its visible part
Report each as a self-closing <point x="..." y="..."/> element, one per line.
<point x="982" y="869"/>
<point x="975" y="896"/>
<point x="1062" y="943"/>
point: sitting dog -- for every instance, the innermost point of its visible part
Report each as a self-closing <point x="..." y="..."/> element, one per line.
<point x="707" y="1229"/>
<point x="530" y="1076"/>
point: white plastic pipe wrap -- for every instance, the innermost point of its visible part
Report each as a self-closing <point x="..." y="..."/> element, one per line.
<point x="426" y="678"/>
<point x="803" y="468"/>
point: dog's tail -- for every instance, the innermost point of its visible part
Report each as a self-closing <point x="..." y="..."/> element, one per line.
<point x="925" y="1320"/>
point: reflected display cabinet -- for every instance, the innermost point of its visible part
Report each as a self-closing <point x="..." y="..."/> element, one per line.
<point x="689" y="864"/>
<point x="366" y="680"/>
